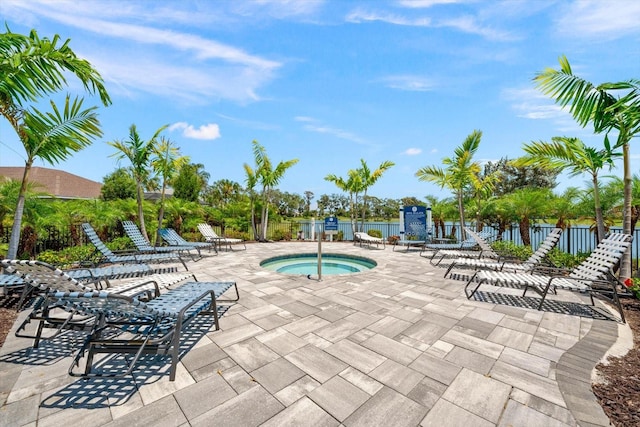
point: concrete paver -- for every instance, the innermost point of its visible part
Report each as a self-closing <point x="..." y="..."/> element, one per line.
<point x="398" y="345"/>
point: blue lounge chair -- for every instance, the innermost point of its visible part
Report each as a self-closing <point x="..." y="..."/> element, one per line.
<point x="35" y="275"/>
<point x="152" y="327"/>
<point x="99" y="276"/>
<point x="107" y="256"/>
<point x="173" y="239"/>
<point x="144" y="246"/>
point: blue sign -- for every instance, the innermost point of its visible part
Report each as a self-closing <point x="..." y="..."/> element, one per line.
<point x="415" y="222"/>
<point x="331" y="225"/>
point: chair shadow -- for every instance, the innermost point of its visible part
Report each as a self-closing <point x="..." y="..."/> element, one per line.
<point x="102" y="392"/>
<point x="49" y="351"/>
<point x="549" y="305"/>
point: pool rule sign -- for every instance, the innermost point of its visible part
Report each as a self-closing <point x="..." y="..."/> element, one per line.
<point x="331" y="225"/>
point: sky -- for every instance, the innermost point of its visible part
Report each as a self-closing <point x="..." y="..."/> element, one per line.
<point x="331" y="82"/>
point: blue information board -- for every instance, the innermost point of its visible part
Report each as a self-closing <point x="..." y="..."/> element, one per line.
<point x="331" y="225"/>
<point x="415" y="222"/>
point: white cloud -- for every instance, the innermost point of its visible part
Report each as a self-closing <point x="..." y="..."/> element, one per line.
<point x="278" y="8"/>
<point x="314" y="125"/>
<point x="427" y="3"/>
<point x="469" y="24"/>
<point x="412" y="151"/>
<point x="597" y="18"/>
<point x="359" y="16"/>
<point x="466" y="24"/>
<point x="209" y="131"/>
<point x="135" y="58"/>
<point x="409" y="83"/>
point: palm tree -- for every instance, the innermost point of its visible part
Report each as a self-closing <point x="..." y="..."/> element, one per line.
<point x="269" y="177"/>
<point x="597" y="105"/>
<point x="353" y="186"/>
<point x="252" y="181"/>
<point x="438" y="214"/>
<point x="139" y="153"/>
<point x="30" y="69"/>
<point x="166" y="163"/>
<point x="528" y="204"/>
<point x="563" y="207"/>
<point x="368" y="179"/>
<point x="308" y="196"/>
<point x="458" y="173"/>
<point x="571" y="154"/>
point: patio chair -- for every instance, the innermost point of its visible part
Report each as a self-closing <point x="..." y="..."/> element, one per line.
<point x="144" y="246"/>
<point x="594" y="275"/>
<point x="210" y="235"/>
<point x="99" y="276"/>
<point x="172" y="238"/>
<point x="121" y="324"/>
<point x="107" y="256"/>
<point x="39" y="277"/>
<point x="362" y="237"/>
<point x="482" y="250"/>
<point x="500" y="264"/>
<point x="466" y="244"/>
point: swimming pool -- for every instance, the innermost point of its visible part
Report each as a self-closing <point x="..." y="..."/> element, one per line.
<point x="307" y="264"/>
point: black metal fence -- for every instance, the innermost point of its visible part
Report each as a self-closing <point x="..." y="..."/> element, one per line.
<point x="574" y="240"/>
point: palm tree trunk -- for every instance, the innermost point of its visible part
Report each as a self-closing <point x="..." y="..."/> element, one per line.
<point x="461" y="211"/>
<point x="160" y="214"/>
<point x="598" y="208"/>
<point x="139" y="198"/>
<point x="364" y="210"/>
<point x="265" y="214"/>
<point x="254" y="228"/>
<point x="524" y="231"/>
<point x="625" y="266"/>
<point x="14" y="240"/>
<point x="351" y="215"/>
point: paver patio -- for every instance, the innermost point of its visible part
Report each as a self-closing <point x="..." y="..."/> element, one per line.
<point x="398" y="345"/>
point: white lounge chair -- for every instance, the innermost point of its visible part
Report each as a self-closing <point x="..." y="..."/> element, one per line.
<point x="499" y="264"/>
<point x="365" y="238"/>
<point x="594" y="275"/>
<point x="210" y="235"/>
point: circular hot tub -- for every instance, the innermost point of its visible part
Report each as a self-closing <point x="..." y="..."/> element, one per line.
<point x="307" y="264"/>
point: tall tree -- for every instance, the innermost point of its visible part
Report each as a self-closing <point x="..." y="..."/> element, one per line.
<point x="571" y="154"/>
<point x="139" y="152"/>
<point x="597" y="105"/>
<point x="512" y="177"/>
<point x="32" y="68"/>
<point x="251" y="181"/>
<point x="308" y="196"/>
<point x="119" y="184"/>
<point x="458" y="172"/>
<point x="352" y="185"/>
<point x="368" y="178"/>
<point x="191" y="182"/>
<point x="527" y="205"/>
<point x="269" y="177"/>
<point x="166" y="163"/>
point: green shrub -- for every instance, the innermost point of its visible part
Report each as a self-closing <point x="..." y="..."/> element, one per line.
<point x="279" y="235"/>
<point x="67" y="257"/>
<point x="511" y="250"/>
<point x="121" y="244"/>
<point x="375" y="233"/>
<point x="565" y="260"/>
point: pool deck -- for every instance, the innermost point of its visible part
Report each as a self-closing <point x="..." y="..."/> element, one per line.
<point x="396" y="346"/>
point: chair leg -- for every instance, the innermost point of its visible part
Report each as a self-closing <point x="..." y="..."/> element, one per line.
<point x="469" y="295"/>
